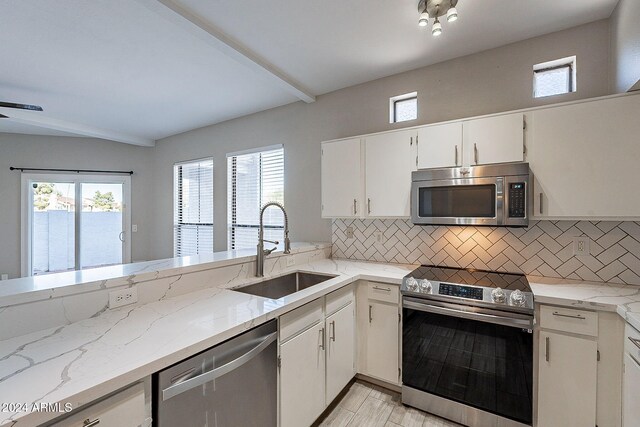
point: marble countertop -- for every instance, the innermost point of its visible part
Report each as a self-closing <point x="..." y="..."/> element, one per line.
<point x="83" y="361"/>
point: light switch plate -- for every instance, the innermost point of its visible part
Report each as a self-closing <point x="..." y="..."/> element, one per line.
<point x="581" y="246"/>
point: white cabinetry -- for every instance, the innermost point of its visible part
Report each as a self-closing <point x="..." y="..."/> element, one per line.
<point x="379" y="324"/>
<point x="340" y="330"/>
<point x="631" y="378"/>
<point x="496" y="139"/>
<point x="566" y="381"/>
<point x="341" y="179"/>
<point x="389" y="160"/>
<point x="317" y="356"/>
<point x="440" y="146"/>
<point x="124" y="409"/>
<point x="584" y="158"/>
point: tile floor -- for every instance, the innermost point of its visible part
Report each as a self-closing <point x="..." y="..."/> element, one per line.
<point x="370" y="406"/>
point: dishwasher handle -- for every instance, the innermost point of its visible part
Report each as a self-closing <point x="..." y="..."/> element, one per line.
<point x="213" y="374"/>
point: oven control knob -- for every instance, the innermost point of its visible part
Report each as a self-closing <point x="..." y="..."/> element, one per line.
<point x="412" y="284"/>
<point x="498" y="295"/>
<point x="517" y="298"/>
<point x="425" y="286"/>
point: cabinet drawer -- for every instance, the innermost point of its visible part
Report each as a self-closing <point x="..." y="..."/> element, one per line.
<point x="125" y="409"/>
<point x="338" y="299"/>
<point x="383" y="292"/>
<point x="569" y="320"/>
<point x="631" y="338"/>
<point x="300" y="319"/>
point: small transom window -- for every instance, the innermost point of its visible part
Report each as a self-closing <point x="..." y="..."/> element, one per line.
<point x="554" y="77"/>
<point x="403" y="107"/>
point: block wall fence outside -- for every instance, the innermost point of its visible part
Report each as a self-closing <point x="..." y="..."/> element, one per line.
<point x="545" y="248"/>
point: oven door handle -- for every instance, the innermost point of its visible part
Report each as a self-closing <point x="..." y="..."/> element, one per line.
<point x="481" y="317"/>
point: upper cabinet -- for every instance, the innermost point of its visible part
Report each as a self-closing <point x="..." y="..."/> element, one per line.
<point x="584" y="159"/>
<point x="341" y="179"/>
<point x="389" y="160"/>
<point x="440" y="146"/>
<point x="497" y="139"/>
<point x="369" y="177"/>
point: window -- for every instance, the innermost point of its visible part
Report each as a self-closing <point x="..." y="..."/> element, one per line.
<point x="403" y="107"/>
<point x="554" y="77"/>
<point x="254" y="178"/>
<point x="193" y="207"/>
<point x="73" y="222"/>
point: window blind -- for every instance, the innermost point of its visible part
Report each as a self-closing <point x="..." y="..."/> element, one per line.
<point x="193" y="208"/>
<point x="253" y="180"/>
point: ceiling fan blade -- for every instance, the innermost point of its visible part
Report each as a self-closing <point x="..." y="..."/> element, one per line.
<point x="20" y="106"/>
<point x="2" y="116"/>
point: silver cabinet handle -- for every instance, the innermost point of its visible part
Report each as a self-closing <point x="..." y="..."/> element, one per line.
<point x="456" y="156"/>
<point x="355" y="207"/>
<point x="322" y="338"/>
<point x="571" y="316"/>
<point x="332" y="331"/>
<point x="370" y="313"/>
<point x="635" y="341"/>
<point x="475" y="152"/>
<point x="546" y="351"/>
<point x="213" y="374"/>
<point x="368" y="206"/>
<point x="89" y="423"/>
<point x="540" y="204"/>
<point x="382" y="289"/>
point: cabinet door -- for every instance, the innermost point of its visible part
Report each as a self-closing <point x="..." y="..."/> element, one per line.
<point x="340" y="328"/>
<point x="567" y="372"/>
<point x="302" y="376"/>
<point x="584" y="158"/>
<point x="498" y="139"/>
<point x="630" y="393"/>
<point x="383" y="342"/>
<point x="389" y="160"/>
<point x="440" y="146"/>
<point x="341" y="179"/>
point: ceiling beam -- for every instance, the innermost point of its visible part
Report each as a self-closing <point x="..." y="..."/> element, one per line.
<point x="37" y="119"/>
<point x="209" y="33"/>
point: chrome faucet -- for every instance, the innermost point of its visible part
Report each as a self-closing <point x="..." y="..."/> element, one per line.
<point x="262" y="252"/>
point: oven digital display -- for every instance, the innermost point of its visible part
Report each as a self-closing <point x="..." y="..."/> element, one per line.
<point x="460" y="291"/>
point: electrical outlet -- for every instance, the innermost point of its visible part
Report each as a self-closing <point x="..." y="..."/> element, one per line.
<point x="581" y="246"/>
<point x="134" y="228"/>
<point x="4" y="277"/>
<point x="349" y="232"/>
<point x="291" y="261"/>
<point x="378" y="236"/>
<point x="123" y="297"/>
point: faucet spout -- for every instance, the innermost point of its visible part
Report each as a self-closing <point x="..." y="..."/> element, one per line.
<point x="261" y="252"/>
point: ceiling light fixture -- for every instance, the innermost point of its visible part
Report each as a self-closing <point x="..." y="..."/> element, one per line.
<point x="434" y="9"/>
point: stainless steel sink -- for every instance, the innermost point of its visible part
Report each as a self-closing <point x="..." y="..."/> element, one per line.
<point x="279" y="287"/>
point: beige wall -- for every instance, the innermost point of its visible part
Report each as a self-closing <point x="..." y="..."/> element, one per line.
<point x="64" y="153"/>
<point x="625" y="46"/>
<point x="495" y="80"/>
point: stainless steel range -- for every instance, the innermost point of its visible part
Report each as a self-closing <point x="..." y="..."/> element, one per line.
<point x="468" y="345"/>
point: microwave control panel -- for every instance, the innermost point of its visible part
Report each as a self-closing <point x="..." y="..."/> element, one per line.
<point x="517" y="200"/>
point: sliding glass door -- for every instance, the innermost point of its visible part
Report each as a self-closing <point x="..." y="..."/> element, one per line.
<point x="71" y="222"/>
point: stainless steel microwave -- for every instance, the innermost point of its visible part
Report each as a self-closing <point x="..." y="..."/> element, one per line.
<point x="494" y="195"/>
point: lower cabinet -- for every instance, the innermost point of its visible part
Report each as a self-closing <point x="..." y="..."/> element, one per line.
<point x="302" y="377"/>
<point x="567" y="381"/>
<point x="124" y="409"/>
<point x="317" y="356"/>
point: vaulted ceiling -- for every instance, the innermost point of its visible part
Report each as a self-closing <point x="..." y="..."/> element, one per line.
<point x="140" y="70"/>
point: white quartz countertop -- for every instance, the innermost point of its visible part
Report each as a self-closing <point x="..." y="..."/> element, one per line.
<point x="86" y="360"/>
<point x="83" y="361"/>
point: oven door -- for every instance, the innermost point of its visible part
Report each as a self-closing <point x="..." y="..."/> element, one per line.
<point x="461" y="201"/>
<point x="479" y="358"/>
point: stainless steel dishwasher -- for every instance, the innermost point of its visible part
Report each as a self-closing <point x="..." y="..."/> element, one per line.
<point x="232" y="384"/>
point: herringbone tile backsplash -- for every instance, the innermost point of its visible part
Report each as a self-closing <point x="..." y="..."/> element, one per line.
<point x="545" y="248"/>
